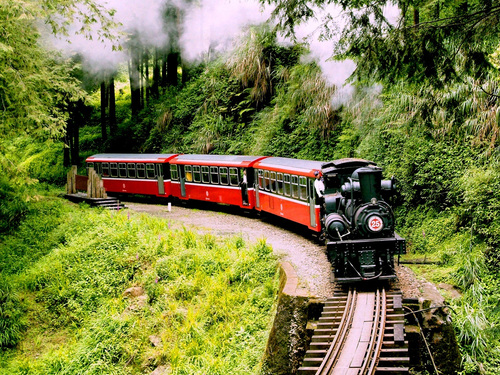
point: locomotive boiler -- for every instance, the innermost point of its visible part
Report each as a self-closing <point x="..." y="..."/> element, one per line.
<point x="359" y="222"/>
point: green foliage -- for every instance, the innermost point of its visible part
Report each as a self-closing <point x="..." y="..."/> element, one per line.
<point x="11" y="314"/>
<point x="479" y="189"/>
<point x="301" y="121"/>
<point x="12" y="203"/>
<point x="34" y="86"/>
<point x="431" y="41"/>
<point x="206" y="300"/>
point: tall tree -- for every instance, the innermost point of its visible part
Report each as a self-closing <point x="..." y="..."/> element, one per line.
<point x="112" y="106"/>
<point x="424" y="44"/>
<point x="104" y="106"/>
<point x="32" y="82"/>
<point x="134" y="67"/>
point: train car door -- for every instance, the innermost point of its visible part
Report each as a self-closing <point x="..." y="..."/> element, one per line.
<point x="256" y="185"/>
<point x="182" y="179"/>
<point x="311" y="202"/>
<point x="159" y="176"/>
<point x="244" y="179"/>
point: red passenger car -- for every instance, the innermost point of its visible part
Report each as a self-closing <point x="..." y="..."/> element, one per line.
<point x="146" y="174"/>
<point x="214" y="178"/>
<point x="286" y="188"/>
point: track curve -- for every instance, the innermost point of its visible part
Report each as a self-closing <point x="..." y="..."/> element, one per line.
<point x="359" y="332"/>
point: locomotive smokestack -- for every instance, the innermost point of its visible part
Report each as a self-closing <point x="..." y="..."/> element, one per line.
<point x="370" y="181"/>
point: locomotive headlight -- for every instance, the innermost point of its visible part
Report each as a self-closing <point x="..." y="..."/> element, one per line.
<point x="375" y="223"/>
<point x="374" y="200"/>
<point x="336" y="225"/>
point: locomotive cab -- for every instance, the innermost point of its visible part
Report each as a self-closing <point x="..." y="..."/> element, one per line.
<point x="359" y="222"/>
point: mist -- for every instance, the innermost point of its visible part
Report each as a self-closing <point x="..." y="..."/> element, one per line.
<point x="205" y="28"/>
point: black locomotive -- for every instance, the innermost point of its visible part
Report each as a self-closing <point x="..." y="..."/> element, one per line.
<point x="359" y="222"/>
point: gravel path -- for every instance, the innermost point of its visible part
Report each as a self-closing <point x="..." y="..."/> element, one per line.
<point x="306" y="256"/>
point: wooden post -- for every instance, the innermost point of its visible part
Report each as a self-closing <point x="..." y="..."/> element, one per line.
<point x="89" y="184"/>
<point x="71" y="180"/>
<point x="95" y="185"/>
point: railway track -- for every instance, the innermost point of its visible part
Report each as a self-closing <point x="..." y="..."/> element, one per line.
<point x="359" y="332"/>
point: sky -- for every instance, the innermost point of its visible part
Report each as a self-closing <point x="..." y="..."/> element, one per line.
<point x="209" y="27"/>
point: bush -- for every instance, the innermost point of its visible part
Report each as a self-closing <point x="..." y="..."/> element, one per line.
<point x="12" y="204"/>
<point x="11" y="314"/>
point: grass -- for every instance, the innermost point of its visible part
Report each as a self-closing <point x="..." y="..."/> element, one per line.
<point x="204" y="307"/>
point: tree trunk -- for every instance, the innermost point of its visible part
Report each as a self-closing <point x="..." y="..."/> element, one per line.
<point x="66" y="150"/>
<point x="146" y="78"/>
<point x="104" y="103"/>
<point x="135" y="89"/>
<point x="155" y="87"/>
<point x="141" y="77"/>
<point x="164" y="71"/>
<point x="172" y="65"/>
<point x="112" y="107"/>
<point x="75" y="134"/>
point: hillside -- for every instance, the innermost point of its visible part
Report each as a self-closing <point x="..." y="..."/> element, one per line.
<point x="423" y="105"/>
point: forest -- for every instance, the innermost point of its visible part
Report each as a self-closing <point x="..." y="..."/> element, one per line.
<point x="421" y="98"/>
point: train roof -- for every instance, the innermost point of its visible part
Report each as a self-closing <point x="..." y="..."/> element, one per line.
<point x="290" y="165"/>
<point x="243" y="161"/>
<point x="128" y="158"/>
<point x="346" y="165"/>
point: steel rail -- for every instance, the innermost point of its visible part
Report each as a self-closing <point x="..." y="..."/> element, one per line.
<point x="383" y="318"/>
<point x="338" y="341"/>
<point x="377" y="334"/>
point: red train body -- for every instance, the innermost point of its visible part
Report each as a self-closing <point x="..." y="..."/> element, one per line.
<point x="280" y="186"/>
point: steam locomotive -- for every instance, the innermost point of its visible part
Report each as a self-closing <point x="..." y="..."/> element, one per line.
<point x="352" y="214"/>
<point x="359" y="222"/>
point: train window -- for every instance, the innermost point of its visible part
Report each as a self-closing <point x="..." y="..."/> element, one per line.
<point x="122" y="169"/>
<point x="224" y="180"/>
<point x="131" y="170"/>
<point x="272" y="177"/>
<point x="196" y="173"/>
<point x="113" y="168"/>
<point x="98" y="168"/>
<point x="295" y="186"/>
<point x="261" y="179"/>
<point x="174" y="172"/>
<point x="188" y="170"/>
<point x="90" y="165"/>
<point x="279" y="183"/>
<point x="214" y="175"/>
<point x="266" y="180"/>
<point x="205" y="174"/>
<point x="233" y="176"/>
<point x="141" y="170"/>
<point x="286" y="185"/>
<point x="303" y="188"/>
<point x="105" y="169"/>
<point x="150" y="170"/>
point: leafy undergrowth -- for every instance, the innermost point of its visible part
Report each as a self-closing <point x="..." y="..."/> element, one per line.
<point x="201" y="305"/>
<point x="462" y="259"/>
